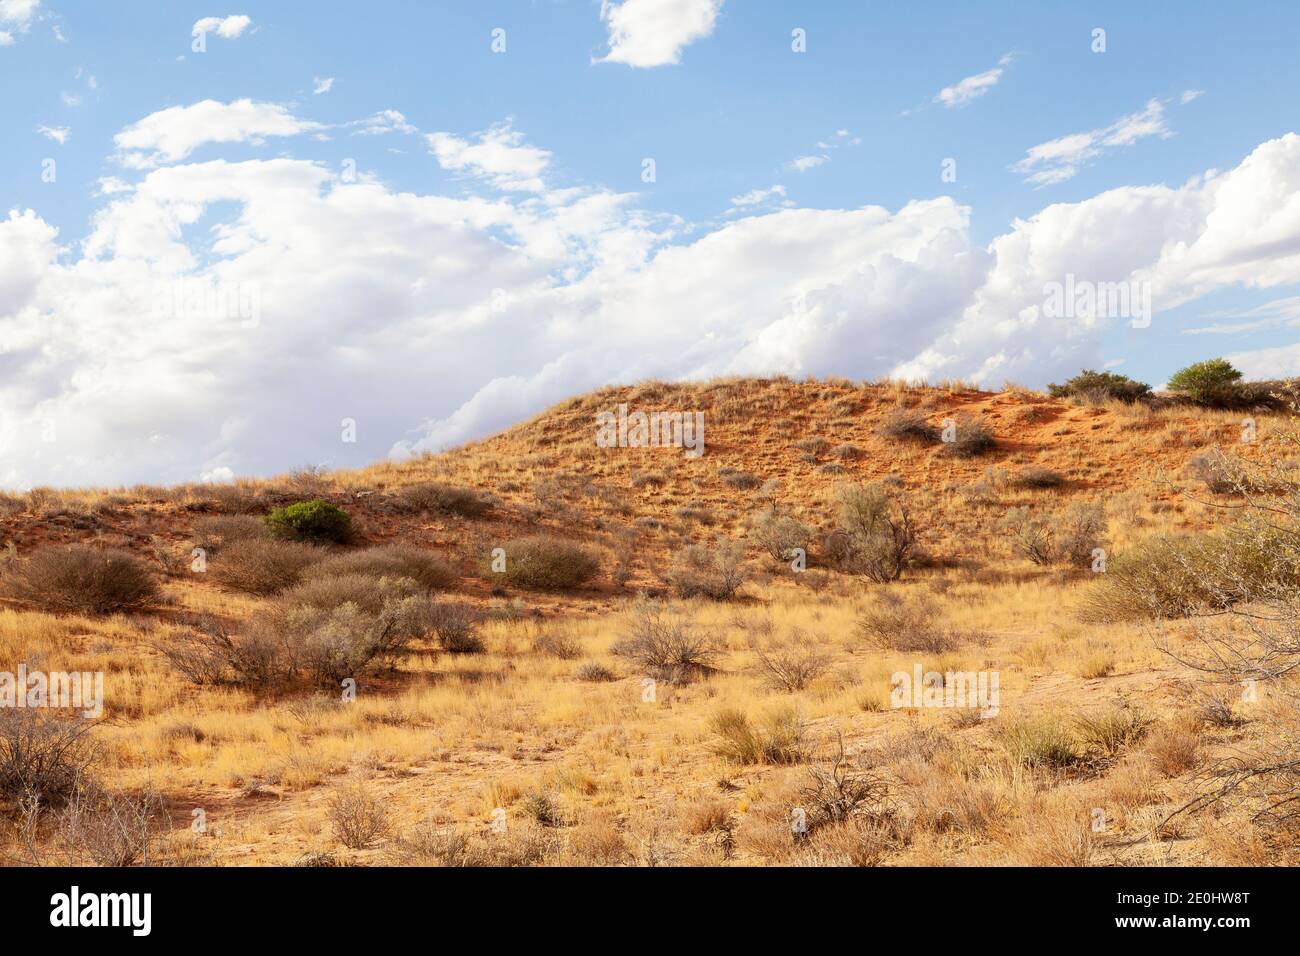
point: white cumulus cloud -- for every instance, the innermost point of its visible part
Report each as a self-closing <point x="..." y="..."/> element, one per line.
<point x="498" y="155"/>
<point x="972" y="87"/>
<point x="228" y="28"/>
<point x="1059" y="159"/>
<point x="161" y="353"/>
<point x="170" y="135"/>
<point x="646" y="33"/>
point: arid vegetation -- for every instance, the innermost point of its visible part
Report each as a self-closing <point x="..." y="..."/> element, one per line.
<point x="530" y="650"/>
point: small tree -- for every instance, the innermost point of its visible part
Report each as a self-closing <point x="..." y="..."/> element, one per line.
<point x="1214" y="383"/>
<point x="876" y="536"/>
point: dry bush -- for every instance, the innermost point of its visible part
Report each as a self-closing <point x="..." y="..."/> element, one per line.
<point x="1186" y="575"/>
<point x="440" y="498"/>
<point x="910" y="424"/>
<point x="740" y="480"/>
<point x="594" y="673"/>
<point x="325" y="631"/>
<point x="79" y="579"/>
<point x="779" y="535"/>
<point x="790" y="665"/>
<point x="358" y="817"/>
<point x="668" y="647"/>
<point x="714" y="571"/>
<point x="262" y="567"/>
<point x="839" y="791"/>
<point x="904" y="624"/>
<point x="971" y="436"/>
<point x="456" y="625"/>
<point x="1174" y="748"/>
<point x="858" y="841"/>
<point x="1055" y="839"/>
<point x="545" y="563"/>
<point x="430" y="845"/>
<point x="98" y="827"/>
<point x="43" y="755"/>
<point x="213" y="532"/>
<point x="1039" y="477"/>
<point x="388" y="561"/>
<point x="776" y="738"/>
<point x="543" y="807"/>
<point x="599" y="842"/>
<point x="327" y="593"/>
<point x="876" y="536"/>
<point x="1068" y="536"/>
<point x="813" y="446"/>
<point x="847" y="451"/>
<point x="711" y="815"/>
<point x="559" y="642"/>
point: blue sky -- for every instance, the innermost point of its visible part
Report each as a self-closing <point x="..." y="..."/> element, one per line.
<point x="767" y="162"/>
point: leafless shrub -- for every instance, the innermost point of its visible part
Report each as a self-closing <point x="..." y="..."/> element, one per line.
<point x="667" y="647"/>
<point x="905" y="625"/>
<point x="388" y="561"/>
<point x="440" y="498"/>
<point x="79" y="578"/>
<point x="456" y="625"/>
<point x="1069" y="536"/>
<point x="262" y="566"/>
<point x="99" y="827"/>
<point x="714" y="571"/>
<point x="790" y="665"/>
<point x="910" y="424"/>
<point x="43" y="755"/>
<point x="358" y="817"/>
<point x="970" y="436"/>
<point x="839" y="791"/>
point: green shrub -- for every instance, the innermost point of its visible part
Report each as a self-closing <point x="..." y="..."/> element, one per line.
<point x="544" y="563"/>
<point x="311" y="521"/>
<point x="80" y="579"/>
<point x="1213" y="383"/>
<point x="1097" y="387"/>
